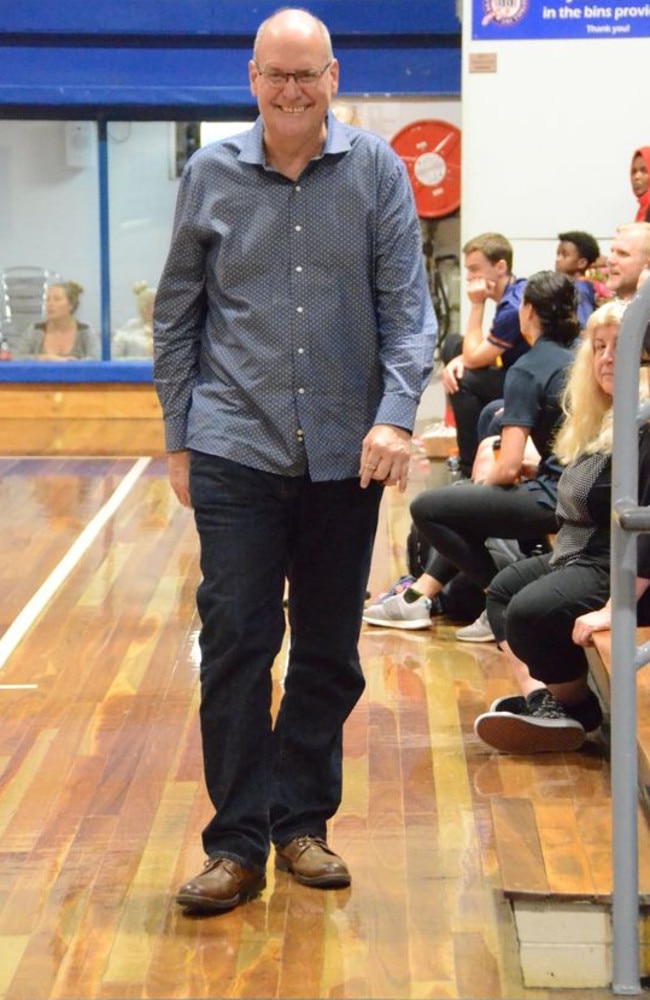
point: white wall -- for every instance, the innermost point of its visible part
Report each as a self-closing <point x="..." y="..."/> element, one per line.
<point x="548" y="139"/>
<point x="48" y="210"/>
<point x="142" y="196"/>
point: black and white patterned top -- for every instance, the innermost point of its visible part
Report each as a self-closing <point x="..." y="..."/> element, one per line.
<point x="584" y="509"/>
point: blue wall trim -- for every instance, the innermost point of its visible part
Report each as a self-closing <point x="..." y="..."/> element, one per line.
<point x="76" y="372"/>
<point x="106" y="79"/>
<point x="192" y="54"/>
<point x="226" y="17"/>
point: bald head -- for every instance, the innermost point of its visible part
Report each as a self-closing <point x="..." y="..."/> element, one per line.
<point x="296" y="23"/>
<point x="629" y="257"/>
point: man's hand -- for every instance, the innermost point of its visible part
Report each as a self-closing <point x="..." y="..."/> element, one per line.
<point x="452" y="373"/>
<point x="479" y="290"/>
<point x="178" y="471"/>
<point x="385" y="456"/>
<point x="594" y="621"/>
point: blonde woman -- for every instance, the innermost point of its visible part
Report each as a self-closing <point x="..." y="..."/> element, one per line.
<point x="60" y="336"/>
<point x="533" y="605"/>
<point x="135" y="338"/>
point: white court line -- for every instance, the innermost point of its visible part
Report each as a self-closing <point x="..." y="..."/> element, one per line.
<point x="46" y="591"/>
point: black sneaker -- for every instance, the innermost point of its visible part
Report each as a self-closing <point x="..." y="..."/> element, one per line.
<point x="588" y="713"/>
<point x="545" y="728"/>
<point x="515" y="703"/>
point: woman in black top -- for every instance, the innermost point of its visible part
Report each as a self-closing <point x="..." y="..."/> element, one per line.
<point x="457" y="520"/>
<point x="533" y="605"/>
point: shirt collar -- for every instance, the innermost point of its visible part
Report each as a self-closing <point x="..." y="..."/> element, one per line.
<point x="252" y="145"/>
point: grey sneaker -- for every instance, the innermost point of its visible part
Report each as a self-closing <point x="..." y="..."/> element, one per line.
<point x="397" y="612"/>
<point x="544" y="727"/>
<point x="478" y="631"/>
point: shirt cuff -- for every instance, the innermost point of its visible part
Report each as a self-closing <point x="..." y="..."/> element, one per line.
<point x="399" y="411"/>
<point x="175" y="435"/>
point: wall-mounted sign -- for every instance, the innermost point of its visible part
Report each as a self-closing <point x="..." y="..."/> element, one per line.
<point x="505" y="20"/>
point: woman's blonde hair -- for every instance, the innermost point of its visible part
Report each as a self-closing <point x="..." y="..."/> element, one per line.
<point x="587" y="427"/>
<point x="144" y="296"/>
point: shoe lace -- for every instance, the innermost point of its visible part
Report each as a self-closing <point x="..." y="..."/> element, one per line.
<point x="212" y="863"/>
<point x="307" y="839"/>
<point x="543" y="705"/>
<point x="398" y="587"/>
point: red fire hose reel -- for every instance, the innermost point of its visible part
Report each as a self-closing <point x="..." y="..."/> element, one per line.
<point x="431" y="152"/>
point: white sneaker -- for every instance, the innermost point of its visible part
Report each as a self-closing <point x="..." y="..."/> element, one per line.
<point x="478" y="631"/>
<point x="397" y="612"/>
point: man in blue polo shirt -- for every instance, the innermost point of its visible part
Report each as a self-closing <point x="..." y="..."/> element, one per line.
<point x="475" y="377"/>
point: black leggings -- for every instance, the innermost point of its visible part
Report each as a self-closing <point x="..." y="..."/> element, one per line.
<point x="477" y="387"/>
<point x="534" y="607"/>
<point x="457" y="520"/>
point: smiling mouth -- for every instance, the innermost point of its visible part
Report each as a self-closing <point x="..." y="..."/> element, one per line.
<point x="290" y="110"/>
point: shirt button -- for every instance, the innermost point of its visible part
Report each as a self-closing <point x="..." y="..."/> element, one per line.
<point x="300" y="309"/>
<point x="301" y="391"/>
<point x="299" y="269"/>
<point x="301" y="350"/>
<point x="298" y="188"/>
<point x="298" y="228"/>
<point x="300" y="434"/>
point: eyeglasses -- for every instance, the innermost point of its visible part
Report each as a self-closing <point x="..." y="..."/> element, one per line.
<point x="303" y="77"/>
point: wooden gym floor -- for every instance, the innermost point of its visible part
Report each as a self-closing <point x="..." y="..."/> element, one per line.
<point x="101" y="793"/>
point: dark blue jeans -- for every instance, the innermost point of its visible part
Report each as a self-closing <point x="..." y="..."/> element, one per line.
<point x="270" y="783"/>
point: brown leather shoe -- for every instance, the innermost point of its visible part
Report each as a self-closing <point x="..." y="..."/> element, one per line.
<point x="312" y="862"/>
<point x="221" y="885"/>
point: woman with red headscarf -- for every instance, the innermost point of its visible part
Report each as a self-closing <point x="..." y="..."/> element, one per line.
<point x="640" y="177"/>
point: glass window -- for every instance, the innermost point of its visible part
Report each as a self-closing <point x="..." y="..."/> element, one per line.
<point x="142" y="189"/>
<point x="51" y="204"/>
<point x="145" y="160"/>
<point x="49" y="221"/>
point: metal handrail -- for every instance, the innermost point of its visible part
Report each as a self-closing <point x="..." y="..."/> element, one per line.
<point x="628" y="520"/>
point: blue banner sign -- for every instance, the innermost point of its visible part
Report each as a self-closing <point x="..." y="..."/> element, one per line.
<point x="505" y="20"/>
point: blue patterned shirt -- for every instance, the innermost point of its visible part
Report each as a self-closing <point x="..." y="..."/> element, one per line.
<point x="291" y="316"/>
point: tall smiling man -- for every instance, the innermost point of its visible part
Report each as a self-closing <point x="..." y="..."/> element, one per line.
<point x="293" y="337"/>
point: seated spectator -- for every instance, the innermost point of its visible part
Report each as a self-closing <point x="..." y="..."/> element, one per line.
<point x="135" y="338"/>
<point x="576" y="253"/>
<point x="60" y="337"/>
<point x="538" y="607"/>
<point x="639" y="176"/>
<point x="628" y="258"/>
<point x="476" y="375"/>
<point x="509" y="501"/>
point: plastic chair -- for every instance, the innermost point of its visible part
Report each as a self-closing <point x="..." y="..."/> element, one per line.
<point x="22" y="300"/>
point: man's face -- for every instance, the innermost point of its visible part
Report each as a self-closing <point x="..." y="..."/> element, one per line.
<point x="626" y="260"/>
<point x="568" y="260"/>
<point x="292" y="111"/>
<point x="480" y="272"/>
<point x="639" y="176"/>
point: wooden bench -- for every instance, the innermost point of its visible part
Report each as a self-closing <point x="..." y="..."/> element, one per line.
<point x="601" y="668"/>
